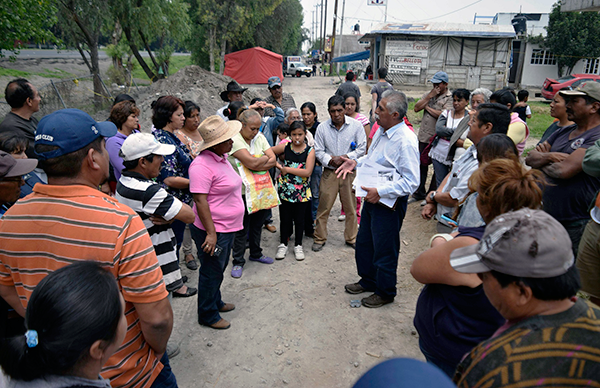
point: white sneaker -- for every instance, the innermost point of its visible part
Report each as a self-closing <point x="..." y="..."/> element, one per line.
<point x="281" y="252"/>
<point x="298" y="252"/>
<point x="342" y="217"/>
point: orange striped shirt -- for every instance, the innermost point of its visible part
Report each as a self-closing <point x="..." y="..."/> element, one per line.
<point x="58" y="225"/>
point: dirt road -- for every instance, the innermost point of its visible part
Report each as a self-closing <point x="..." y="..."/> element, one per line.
<point x="293" y="325"/>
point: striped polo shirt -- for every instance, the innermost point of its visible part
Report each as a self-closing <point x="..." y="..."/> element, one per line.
<point x="148" y="198"/>
<point x="59" y="225"/>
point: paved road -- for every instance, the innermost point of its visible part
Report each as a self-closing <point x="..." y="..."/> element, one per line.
<point x="64" y="54"/>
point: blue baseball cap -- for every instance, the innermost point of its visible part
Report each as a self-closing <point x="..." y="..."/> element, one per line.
<point x="438" y="77"/>
<point x="404" y="373"/>
<point x="274" y="81"/>
<point x="69" y="130"/>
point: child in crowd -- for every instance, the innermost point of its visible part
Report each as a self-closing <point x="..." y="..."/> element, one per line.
<point x="294" y="187"/>
<point x="521" y="107"/>
<point x="283" y="133"/>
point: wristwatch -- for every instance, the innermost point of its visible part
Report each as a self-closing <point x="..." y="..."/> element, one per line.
<point x="432" y="196"/>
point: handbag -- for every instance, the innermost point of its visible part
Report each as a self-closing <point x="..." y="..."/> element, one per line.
<point x="258" y="188"/>
<point x="425" y="158"/>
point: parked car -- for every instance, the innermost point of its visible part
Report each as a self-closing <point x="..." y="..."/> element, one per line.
<point x="298" y="69"/>
<point x="569" y="82"/>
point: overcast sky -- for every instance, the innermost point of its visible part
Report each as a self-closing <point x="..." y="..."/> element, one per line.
<point x="457" y="11"/>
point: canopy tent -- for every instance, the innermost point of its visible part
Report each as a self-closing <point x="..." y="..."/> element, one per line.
<point x="253" y="66"/>
<point x="353" y="57"/>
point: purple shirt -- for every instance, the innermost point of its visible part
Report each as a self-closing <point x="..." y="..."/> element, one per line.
<point x="213" y="175"/>
<point x="113" y="146"/>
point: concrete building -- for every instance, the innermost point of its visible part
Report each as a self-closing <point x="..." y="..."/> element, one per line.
<point x="473" y="55"/>
<point x="531" y="64"/>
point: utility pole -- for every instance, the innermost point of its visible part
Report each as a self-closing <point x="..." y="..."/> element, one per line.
<point x="321" y="32"/>
<point x="335" y="9"/>
<point x="324" y="28"/>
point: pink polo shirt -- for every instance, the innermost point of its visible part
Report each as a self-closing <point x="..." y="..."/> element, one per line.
<point x="213" y="175"/>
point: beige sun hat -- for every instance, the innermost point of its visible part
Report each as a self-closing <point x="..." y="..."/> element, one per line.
<point x="215" y="130"/>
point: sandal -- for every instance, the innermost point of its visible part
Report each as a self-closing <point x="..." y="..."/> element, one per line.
<point x="192" y="264"/>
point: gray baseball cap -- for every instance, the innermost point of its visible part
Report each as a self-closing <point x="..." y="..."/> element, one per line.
<point x="525" y="243"/>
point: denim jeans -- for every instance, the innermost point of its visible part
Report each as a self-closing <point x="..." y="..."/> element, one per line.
<point x="315" y="184"/>
<point x="440" y="171"/>
<point x="166" y="378"/>
<point x="210" y="275"/>
<point x="424" y="170"/>
<point x="253" y="224"/>
<point x="378" y="245"/>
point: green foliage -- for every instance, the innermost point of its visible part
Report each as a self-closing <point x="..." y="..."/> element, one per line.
<point x="26" y="20"/>
<point x="281" y="32"/>
<point x="540" y="118"/>
<point x="572" y="36"/>
<point x="176" y="63"/>
<point x="47" y="73"/>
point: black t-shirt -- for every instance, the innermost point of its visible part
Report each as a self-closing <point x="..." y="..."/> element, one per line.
<point x="15" y="123"/>
<point x="549" y="131"/>
<point x="452" y="320"/>
<point x="568" y="200"/>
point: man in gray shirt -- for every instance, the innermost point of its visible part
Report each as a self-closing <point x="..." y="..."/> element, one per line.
<point x="340" y="136"/>
<point x="24" y="101"/>
<point x="349" y="87"/>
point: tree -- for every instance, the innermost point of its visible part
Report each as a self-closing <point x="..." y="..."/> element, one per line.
<point x="146" y="21"/>
<point x="281" y="32"/>
<point x="572" y="36"/>
<point x="26" y="20"/>
<point x="226" y="23"/>
<point x="81" y="22"/>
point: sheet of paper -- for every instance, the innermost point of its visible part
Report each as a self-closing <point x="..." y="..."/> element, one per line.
<point x="371" y="174"/>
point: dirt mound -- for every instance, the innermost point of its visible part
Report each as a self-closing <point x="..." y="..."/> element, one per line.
<point x="195" y="84"/>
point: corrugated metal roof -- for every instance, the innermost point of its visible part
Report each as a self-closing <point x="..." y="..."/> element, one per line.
<point x="443" y="29"/>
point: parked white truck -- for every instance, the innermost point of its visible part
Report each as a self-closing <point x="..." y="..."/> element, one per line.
<point x="293" y="66"/>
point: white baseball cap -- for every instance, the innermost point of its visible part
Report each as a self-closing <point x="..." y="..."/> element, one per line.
<point x="138" y="145"/>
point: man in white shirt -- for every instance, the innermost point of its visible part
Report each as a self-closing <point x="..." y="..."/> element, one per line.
<point x="340" y="136"/>
<point x="378" y="242"/>
<point x="234" y="92"/>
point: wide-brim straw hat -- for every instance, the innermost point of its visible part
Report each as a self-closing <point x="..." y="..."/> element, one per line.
<point x="215" y="130"/>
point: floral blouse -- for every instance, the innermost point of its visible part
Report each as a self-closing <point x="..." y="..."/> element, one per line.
<point x="192" y="145"/>
<point x="292" y="188"/>
<point x="176" y="164"/>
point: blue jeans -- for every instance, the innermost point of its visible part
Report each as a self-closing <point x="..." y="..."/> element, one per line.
<point x="378" y="245"/>
<point x="440" y="170"/>
<point x="166" y="378"/>
<point x="315" y="184"/>
<point x="210" y="275"/>
<point x="448" y="369"/>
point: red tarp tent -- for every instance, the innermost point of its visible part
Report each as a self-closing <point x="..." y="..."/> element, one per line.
<point x="253" y="66"/>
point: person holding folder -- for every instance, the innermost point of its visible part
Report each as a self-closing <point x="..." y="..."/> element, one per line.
<point x="378" y="242"/>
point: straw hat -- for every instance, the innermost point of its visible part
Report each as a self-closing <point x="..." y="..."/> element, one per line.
<point x="215" y="130"/>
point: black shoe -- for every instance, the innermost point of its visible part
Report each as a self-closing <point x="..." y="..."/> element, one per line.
<point x="192" y="264"/>
<point x="355" y="288"/>
<point x="191" y="291"/>
<point x="351" y="245"/>
<point x="184" y="278"/>
<point x="375" y="301"/>
<point x="317" y="247"/>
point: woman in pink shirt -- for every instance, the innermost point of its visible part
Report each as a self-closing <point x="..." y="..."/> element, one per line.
<point x="219" y="209"/>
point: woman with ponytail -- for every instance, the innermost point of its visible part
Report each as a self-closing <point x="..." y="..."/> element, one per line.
<point x="75" y="321"/>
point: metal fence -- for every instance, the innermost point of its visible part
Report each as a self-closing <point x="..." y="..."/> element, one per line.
<point x="77" y="93"/>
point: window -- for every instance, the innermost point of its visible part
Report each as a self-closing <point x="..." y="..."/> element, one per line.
<point x="591" y="66"/>
<point x="542" y="57"/>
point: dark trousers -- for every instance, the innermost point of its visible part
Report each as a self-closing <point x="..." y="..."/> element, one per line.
<point x="290" y="214"/>
<point x="445" y="367"/>
<point x="378" y="245"/>
<point x="575" y="230"/>
<point x="253" y="224"/>
<point x="421" y="193"/>
<point x="178" y="229"/>
<point x="210" y="275"/>
<point x="166" y="378"/>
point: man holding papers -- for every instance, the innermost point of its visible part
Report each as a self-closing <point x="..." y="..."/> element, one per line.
<point x="386" y="176"/>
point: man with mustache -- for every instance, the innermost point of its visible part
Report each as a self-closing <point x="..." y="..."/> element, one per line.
<point x="570" y="191"/>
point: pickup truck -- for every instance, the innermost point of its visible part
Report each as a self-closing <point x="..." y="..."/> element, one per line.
<point x="297" y="69"/>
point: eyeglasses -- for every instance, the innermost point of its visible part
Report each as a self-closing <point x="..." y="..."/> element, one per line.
<point x="275" y="87"/>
